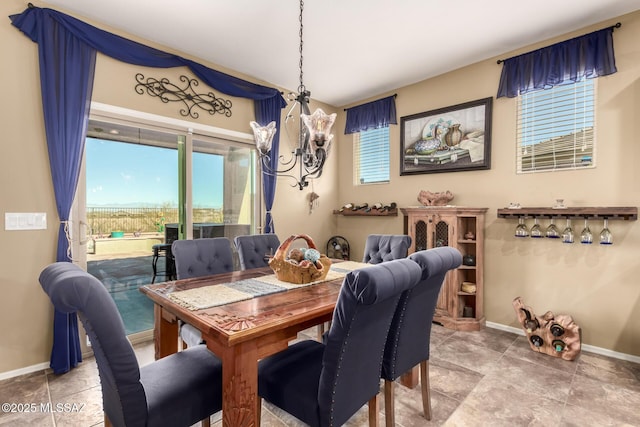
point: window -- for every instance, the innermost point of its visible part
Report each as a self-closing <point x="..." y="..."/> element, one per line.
<point x="555" y="128"/>
<point x="371" y="156"/>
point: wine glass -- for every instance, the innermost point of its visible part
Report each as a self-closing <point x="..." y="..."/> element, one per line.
<point x="567" y="233"/>
<point x="552" y="231"/>
<point x="586" y="236"/>
<point x="521" y="229"/>
<point x="536" y="230"/>
<point x="606" y="238"/>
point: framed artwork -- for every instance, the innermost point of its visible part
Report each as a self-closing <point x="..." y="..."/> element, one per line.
<point x="450" y="139"/>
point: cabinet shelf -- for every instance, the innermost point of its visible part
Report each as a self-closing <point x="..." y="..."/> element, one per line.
<point x="372" y="212"/>
<point x="622" y="213"/>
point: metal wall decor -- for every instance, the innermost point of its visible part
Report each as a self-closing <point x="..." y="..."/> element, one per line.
<point x="169" y="92"/>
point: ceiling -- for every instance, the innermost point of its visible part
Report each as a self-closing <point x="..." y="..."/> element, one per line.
<point x="353" y="49"/>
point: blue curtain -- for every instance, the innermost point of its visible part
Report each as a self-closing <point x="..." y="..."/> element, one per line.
<point x="372" y="115"/>
<point x="264" y="113"/>
<point x="67" y="50"/>
<point x="587" y="56"/>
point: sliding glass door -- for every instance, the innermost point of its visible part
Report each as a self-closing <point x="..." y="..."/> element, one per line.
<point x="148" y="185"/>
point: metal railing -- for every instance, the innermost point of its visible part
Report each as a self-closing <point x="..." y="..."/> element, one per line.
<point x="104" y="220"/>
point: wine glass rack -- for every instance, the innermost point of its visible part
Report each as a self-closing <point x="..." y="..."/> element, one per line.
<point x="621" y="213"/>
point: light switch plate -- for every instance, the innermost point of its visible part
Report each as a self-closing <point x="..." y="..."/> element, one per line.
<point x="25" y="221"/>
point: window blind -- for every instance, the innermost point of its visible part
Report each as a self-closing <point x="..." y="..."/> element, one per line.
<point x="555" y="128"/>
<point x="371" y="155"/>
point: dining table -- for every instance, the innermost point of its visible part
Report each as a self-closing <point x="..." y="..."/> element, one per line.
<point x="243" y="316"/>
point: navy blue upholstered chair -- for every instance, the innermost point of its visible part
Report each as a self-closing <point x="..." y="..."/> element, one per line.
<point x="325" y="384"/>
<point x="252" y="249"/>
<point x="410" y="334"/>
<point x="197" y="258"/>
<point x="385" y="247"/>
<point x="178" y="390"/>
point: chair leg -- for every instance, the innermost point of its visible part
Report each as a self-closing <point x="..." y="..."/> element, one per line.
<point x="206" y="422"/>
<point x="374" y="411"/>
<point x="259" y="411"/>
<point x="426" y="390"/>
<point x="107" y="423"/>
<point x="389" y="405"/>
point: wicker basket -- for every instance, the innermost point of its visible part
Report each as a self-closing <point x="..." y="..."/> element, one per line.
<point x="292" y="273"/>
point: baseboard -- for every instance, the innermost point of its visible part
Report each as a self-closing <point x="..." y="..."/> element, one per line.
<point x="590" y="348"/>
<point x="136" y="338"/>
<point x="24" y="371"/>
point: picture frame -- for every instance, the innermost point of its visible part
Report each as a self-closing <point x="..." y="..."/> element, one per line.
<point x="450" y="139"/>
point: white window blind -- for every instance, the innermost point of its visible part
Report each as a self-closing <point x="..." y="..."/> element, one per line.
<point x="371" y="156"/>
<point x="555" y="128"/>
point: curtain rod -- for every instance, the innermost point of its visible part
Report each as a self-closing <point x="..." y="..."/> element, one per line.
<point x="617" y="25"/>
<point x="395" y="95"/>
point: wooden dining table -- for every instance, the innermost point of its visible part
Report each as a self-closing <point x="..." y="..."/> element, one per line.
<point x="241" y="333"/>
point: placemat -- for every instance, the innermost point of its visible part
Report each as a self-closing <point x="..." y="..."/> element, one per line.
<point x="226" y="293"/>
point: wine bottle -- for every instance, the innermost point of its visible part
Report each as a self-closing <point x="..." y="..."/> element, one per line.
<point x="377" y="206"/>
<point x="556" y="330"/>
<point x="536" y="340"/>
<point x="360" y="207"/>
<point x="389" y="207"/>
<point x="558" y="345"/>
<point x="346" y="207"/>
<point x="530" y="324"/>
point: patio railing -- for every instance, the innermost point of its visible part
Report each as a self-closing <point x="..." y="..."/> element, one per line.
<point x="104" y="220"/>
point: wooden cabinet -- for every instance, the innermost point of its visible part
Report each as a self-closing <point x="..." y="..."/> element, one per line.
<point x="461" y="228"/>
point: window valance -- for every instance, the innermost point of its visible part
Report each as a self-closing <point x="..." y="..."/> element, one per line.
<point x="587" y="56"/>
<point x="372" y="115"/>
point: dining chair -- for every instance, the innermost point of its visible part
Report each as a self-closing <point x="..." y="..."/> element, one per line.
<point x="324" y="384"/>
<point x="410" y="333"/>
<point x="178" y="390"/>
<point x="385" y="247"/>
<point x="197" y="258"/>
<point x="252" y="249"/>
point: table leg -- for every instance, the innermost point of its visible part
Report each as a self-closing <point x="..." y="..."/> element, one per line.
<point x="165" y="332"/>
<point x="240" y="385"/>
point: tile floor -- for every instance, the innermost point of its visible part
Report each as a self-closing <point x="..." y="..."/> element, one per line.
<point x="486" y="378"/>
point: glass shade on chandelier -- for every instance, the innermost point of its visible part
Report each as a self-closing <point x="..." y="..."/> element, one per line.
<point x="314" y="144"/>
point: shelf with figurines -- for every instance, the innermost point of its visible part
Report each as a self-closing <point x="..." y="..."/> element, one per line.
<point x="364" y="209"/>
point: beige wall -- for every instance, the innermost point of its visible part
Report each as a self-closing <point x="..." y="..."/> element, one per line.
<point x="24" y="308"/>
<point x="597" y="285"/>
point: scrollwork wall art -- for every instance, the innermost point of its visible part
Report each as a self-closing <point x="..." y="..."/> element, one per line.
<point x="170" y="92"/>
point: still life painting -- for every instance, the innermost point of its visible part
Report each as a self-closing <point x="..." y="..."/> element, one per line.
<point x="456" y="138"/>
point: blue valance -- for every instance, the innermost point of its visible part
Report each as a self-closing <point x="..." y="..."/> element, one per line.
<point x="587" y="56"/>
<point x="372" y="115"/>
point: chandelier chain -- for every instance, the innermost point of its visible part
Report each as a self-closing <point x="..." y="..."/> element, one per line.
<point x="301" y="88"/>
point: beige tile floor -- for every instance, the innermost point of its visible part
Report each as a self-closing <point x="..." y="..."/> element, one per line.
<point x="486" y="378"/>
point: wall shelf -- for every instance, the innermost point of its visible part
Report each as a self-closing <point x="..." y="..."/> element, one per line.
<point x="372" y="212"/>
<point x="623" y="213"/>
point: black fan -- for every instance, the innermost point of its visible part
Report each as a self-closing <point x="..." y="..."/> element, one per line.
<point x="338" y="248"/>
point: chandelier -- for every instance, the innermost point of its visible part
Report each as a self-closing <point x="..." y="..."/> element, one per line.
<point x="314" y="138"/>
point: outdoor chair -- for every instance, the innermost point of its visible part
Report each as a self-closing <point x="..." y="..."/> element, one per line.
<point x="385" y="247"/>
<point x="410" y="333"/>
<point x="324" y="384"/>
<point x="178" y="390"/>
<point x="197" y="258"/>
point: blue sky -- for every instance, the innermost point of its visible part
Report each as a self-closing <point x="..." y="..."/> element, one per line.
<point x="139" y="175"/>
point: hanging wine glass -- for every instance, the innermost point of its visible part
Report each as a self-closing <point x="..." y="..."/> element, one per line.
<point x="536" y="230"/>
<point x="606" y="238"/>
<point x="586" y="236"/>
<point x="567" y="233"/>
<point x="521" y="229"/>
<point x="552" y="231"/>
